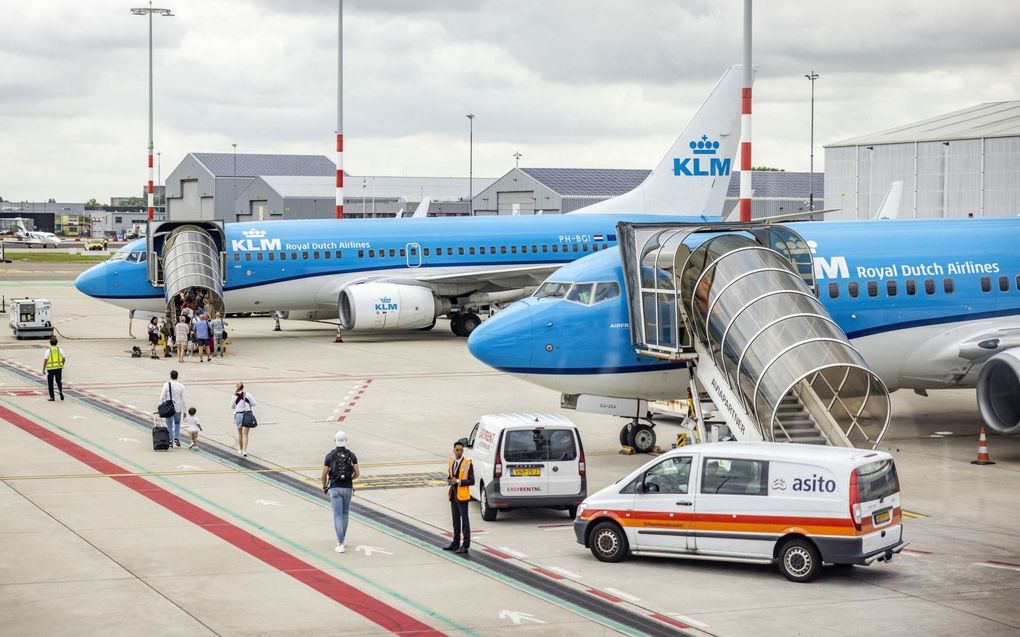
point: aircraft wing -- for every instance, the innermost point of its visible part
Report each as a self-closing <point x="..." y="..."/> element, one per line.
<point x="490" y="280"/>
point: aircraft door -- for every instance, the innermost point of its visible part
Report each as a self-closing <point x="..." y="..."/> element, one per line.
<point x="413" y="255"/>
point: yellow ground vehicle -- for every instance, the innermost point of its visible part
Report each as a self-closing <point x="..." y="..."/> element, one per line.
<point x="96" y="244"/>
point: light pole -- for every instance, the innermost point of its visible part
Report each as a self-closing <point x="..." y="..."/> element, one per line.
<point x="471" y="164"/>
<point x="149" y="11"/>
<point x="340" y="111"/>
<point x="812" y="76"/>
<point x="517" y="159"/>
<point x="159" y="174"/>
<point x="233" y="184"/>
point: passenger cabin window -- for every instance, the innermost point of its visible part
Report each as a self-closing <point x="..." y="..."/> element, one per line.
<point x="425" y="251"/>
<point x="556" y="248"/>
<point x="911" y="287"/>
<point x="890" y="288"/>
<point x="545" y="248"/>
<point x="393" y="252"/>
<point x="361" y="254"/>
<point x="853" y="289"/>
<point x="315" y="255"/>
<point x="481" y="250"/>
<point x="986" y="284"/>
<point x="247" y="256"/>
<point x="258" y="257"/>
<point x="371" y="254"/>
<point x="948" y="285"/>
<point x="584" y="247"/>
<point x="460" y="251"/>
<point x="1018" y="283"/>
<point x="471" y="250"/>
<point x="581" y="293"/>
<point x="524" y="249"/>
<point x="534" y="249"/>
<point x="327" y="254"/>
<point x="575" y="247"/>
<point x="304" y="255"/>
<point x="272" y="256"/>
<point x="1004" y="284"/>
<point x="283" y="256"/>
<point x="929" y="286"/>
<point x="293" y="256"/>
<point x="502" y="249"/>
<point x="834" y="290"/>
<point x="403" y="251"/>
<point x="672" y="476"/>
<point x="339" y="254"/>
<point x="237" y="257"/>
<point x="872" y="288"/>
<point x="726" y="476"/>
<point x="492" y="249"/>
<point x="513" y="249"/>
<point x="449" y="252"/>
<point x="606" y="291"/>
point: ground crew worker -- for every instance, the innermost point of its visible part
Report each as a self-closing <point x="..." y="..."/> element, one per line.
<point x="53" y="365"/>
<point x="460" y="475"/>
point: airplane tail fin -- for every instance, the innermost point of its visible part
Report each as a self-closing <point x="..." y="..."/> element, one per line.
<point x="423" y="209"/>
<point x="890" y="208"/>
<point x="694" y="175"/>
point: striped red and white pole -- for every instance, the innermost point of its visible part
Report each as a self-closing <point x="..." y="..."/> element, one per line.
<point x="745" y="122"/>
<point x="339" y="176"/>
<point x="982" y="457"/>
<point x="152" y="208"/>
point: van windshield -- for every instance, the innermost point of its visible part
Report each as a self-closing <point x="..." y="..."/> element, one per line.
<point x="540" y="445"/>
<point x="877" y="480"/>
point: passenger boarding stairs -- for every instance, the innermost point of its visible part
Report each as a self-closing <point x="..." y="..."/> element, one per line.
<point x="187" y="257"/>
<point x="737" y="303"/>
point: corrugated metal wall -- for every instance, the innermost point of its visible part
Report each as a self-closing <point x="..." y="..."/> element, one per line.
<point x="950" y="178"/>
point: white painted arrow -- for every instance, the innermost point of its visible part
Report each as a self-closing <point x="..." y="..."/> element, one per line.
<point x="517" y="617"/>
<point x="188" y="467"/>
<point x="369" y="550"/>
<point x="77" y="417"/>
<point x="127" y="440"/>
<point x="267" y="503"/>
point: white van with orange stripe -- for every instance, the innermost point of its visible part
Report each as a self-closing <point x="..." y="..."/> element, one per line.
<point x="795" y="505"/>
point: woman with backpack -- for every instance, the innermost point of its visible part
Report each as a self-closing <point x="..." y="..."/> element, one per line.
<point x="244" y="417"/>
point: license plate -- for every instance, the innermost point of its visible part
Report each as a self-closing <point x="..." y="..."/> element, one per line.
<point x="882" y="517"/>
<point x="526" y="471"/>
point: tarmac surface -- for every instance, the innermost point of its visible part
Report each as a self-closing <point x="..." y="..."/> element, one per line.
<point x="101" y="535"/>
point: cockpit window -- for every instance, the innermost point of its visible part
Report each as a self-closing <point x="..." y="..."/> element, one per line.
<point x="606" y="291"/>
<point x="119" y="256"/>
<point x="552" y="290"/>
<point x="136" y="257"/>
<point x="581" y="293"/>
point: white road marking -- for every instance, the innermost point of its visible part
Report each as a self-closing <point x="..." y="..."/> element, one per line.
<point x="564" y="572"/>
<point x="626" y="596"/>
<point x="268" y="503"/>
<point x="687" y="620"/>
<point x="510" y="551"/>
<point x="369" y="550"/>
<point x="127" y="440"/>
<point x="188" y="467"/>
<point x="517" y="617"/>
<point x="77" y="417"/>
<point x="1005" y="567"/>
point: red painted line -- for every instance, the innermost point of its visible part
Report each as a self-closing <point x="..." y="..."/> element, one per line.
<point x="1013" y="564"/>
<point x="499" y="554"/>
<point x="549" y="574"/>
<point x="669" y="620"/>
<point x="917" y="551"/>
<point x="368" y="607"/>
<point x="605" y="596"/>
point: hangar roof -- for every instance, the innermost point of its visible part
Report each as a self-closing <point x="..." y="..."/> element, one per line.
<point x="991" y="119"/>
<point x="600" y="182"/>
<point x="222" y="165"/>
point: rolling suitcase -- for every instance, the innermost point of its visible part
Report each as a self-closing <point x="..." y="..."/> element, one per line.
<point x="160" y="436"/>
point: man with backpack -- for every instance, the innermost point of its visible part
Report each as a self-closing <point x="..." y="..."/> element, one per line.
<point x="339" y="470"/>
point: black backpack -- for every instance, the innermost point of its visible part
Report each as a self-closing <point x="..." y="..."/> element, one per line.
<point x="341" y="467"/>
<point x="136" y="352"/>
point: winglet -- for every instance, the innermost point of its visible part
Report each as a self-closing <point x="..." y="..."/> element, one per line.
<point x="694" y="175"/>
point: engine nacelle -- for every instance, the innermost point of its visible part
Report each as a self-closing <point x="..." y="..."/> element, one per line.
<point x="998" y="392"/>
<point x="388" y="306"/>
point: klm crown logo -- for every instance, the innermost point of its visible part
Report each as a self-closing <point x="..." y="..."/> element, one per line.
<point x="704" y="163"/>
<point x="252" y="233"/>
<point x="385" y="304"/>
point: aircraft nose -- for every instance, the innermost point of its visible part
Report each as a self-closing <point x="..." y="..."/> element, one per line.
<point x="505" y="340"/>
<point x="92" y="281"/>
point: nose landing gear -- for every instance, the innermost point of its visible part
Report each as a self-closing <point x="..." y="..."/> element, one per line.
<point x="639" y="436"/>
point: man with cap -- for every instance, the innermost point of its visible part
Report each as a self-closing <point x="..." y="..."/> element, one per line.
<point x="339" y="470"/>
<point x="460" y="475"/>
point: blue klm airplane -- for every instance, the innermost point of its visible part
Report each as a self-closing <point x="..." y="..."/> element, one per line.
<point x="402" y="274"/>
<point x="928" y="304"/>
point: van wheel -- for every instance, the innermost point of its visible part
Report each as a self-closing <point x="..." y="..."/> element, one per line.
<point x="488" y="513"/>
<point x="799" y="561"/>
<point x="572" y="512"/>
<point x="642" y="438"/>
<point x="608" y="542"/>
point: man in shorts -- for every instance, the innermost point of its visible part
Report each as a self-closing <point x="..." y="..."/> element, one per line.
<point x="202" y="335"/>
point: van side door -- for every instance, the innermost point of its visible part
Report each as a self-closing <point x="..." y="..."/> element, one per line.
<point x="732" y="512"/>
<point x="664" y="506"/>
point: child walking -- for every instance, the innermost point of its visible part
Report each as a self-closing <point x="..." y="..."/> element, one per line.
<point x="192" y="426"/>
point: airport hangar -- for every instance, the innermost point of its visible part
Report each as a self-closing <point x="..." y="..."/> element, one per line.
<point x="302" y="187"/>
<point x="954" y="165"/>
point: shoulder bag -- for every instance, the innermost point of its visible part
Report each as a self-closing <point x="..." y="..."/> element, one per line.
<point x="166" y="408"/>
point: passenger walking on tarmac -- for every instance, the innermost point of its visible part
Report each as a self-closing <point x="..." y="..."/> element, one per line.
<point x="153" y="337"/>
<point x="460" y="475"/>
<point x="217" y="325"/>
<point x="192" y="426"/>
<point x="339" y="471"/>
<point x="181" y="331"/>
<point x="53" y="366"/>
<point x="202" y="336"/>
<point x="174" y="391"/>
<point x="244" y="418"/>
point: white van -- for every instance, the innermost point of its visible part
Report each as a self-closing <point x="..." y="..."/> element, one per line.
<point x="526" y="460"/>
<point x="794" y="505"/>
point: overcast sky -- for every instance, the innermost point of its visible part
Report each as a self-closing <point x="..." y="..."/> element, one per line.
<point x="567" y="83"/>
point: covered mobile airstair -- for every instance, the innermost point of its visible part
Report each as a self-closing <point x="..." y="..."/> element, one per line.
<point x="737" y="303"/>
<point x="188" y="258"/>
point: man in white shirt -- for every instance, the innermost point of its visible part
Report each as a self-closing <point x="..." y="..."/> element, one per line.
<point x="174" y="391"/>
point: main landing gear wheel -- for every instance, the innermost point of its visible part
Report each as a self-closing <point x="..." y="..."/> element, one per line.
<point x="469" y="323"/>
<point x="455" y="324"/>
<point x="641" y="437"/>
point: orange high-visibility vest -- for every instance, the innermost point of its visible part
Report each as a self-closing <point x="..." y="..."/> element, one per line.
<point x="463" y="491"/>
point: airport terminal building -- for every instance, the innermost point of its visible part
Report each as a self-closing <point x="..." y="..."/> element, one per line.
<point x="954" y="165"/>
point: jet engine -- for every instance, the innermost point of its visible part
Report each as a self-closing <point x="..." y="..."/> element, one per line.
<point x="389" y="306"/>
<point x="998" y="392"/>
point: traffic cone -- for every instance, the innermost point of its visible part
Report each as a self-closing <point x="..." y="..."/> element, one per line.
<point x="982" y="457"/>
<point x="339" y="338"/>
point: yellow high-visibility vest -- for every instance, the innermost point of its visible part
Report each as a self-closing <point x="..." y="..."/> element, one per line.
<point x="54" y="360"/>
